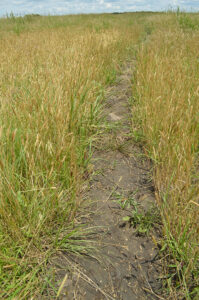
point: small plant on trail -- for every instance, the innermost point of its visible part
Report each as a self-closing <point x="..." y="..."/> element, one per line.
<point x="142" y="222"/>
<point x="125" y="202"/>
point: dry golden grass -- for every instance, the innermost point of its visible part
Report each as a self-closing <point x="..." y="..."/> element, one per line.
<point x="51" y="85"/>
<point x="52" y="74"/>
<point x="168" y="104"/>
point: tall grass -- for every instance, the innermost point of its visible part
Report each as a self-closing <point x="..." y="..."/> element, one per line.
<point x="53" y="71"/>
<point x="168" y="107"/>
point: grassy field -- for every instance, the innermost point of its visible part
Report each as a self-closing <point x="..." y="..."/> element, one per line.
<point x="53" y="74"/>
<point x="167" y="118"/>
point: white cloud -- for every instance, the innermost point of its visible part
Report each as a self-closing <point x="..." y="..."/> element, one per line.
<point x="108" y="5"/>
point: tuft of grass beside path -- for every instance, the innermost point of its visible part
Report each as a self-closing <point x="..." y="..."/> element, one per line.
<point x="167" y="108"/>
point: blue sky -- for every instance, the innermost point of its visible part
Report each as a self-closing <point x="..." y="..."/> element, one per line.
<point x="20" y="7"/>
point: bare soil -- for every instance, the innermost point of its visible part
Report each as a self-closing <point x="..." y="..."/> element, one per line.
<point x="126" y="265"/>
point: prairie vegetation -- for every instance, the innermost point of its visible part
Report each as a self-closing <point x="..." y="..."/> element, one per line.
<point x="167" y="91"/>
<point x="53" y="74"/>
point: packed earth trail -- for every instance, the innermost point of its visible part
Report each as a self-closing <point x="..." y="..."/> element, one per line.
<point x="123" y="214"/>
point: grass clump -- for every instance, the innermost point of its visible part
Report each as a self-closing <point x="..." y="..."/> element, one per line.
<point x="167" y="106"/>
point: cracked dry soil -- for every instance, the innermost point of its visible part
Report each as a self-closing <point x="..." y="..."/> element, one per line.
<point x="127" y="266"/>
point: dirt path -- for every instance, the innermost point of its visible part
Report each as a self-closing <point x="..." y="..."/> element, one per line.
<point x="126" y="266"/>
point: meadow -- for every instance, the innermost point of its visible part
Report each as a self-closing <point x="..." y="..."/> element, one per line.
<point x="167" y="113"/>
<point x="53" y="74"/>
<point x="54" y="71"/>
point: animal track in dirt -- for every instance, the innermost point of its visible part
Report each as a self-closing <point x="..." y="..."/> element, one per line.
<point x="127" y="265"/>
